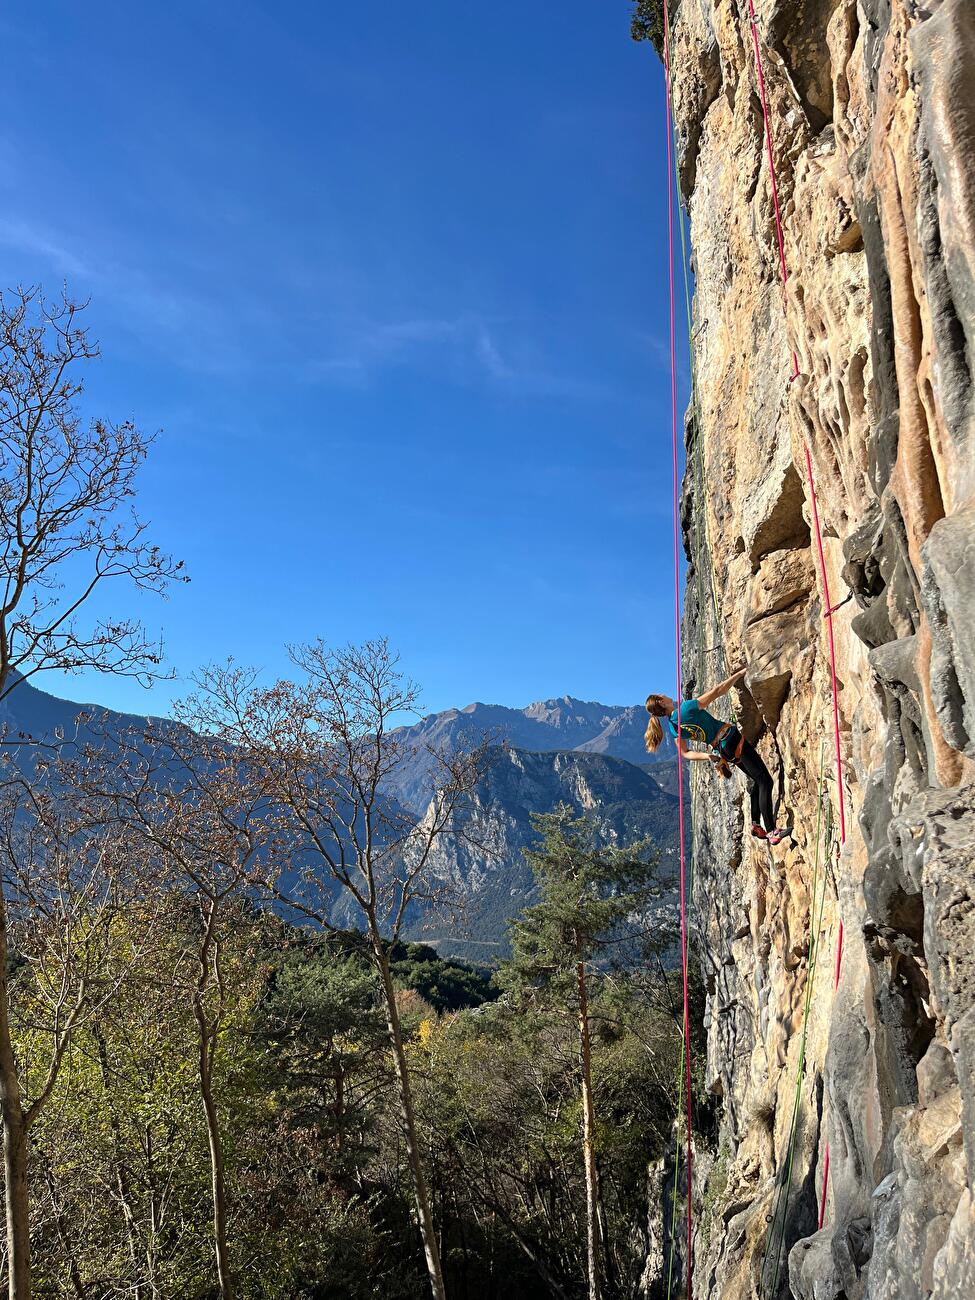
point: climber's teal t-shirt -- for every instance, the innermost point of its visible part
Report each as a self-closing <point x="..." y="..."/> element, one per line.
<point x="695" y="723"/>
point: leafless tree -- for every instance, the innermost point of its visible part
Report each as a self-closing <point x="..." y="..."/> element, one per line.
<point x="325" y="749"/>
<point x="68" y="893"/>
<point x="66" y="490"/>
<point x="67" y="526"/>
<point x="201" y="826"/>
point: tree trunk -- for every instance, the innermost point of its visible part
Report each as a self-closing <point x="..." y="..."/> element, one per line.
<point x="74" y="1273"/>
<point x="588" y="1135"/>
<point x="208" y="1030"/>
<point x="430" y="1248"/>
<point x="340" y="1109"/>
<point x="155" y="1220"/>
<point x="121" y="1177"/>
<point x="14" y="1140"/>
<point x="217" y="1180"/>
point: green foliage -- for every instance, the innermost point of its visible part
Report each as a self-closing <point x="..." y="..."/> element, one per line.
<point x="126" y="1120"/>
<point x="446" y="985"/>
<point x="318" y="1189"/>
<point x="590" y="893"/>
<point x="499" y="1105"/>
<point x="647" y="22"/>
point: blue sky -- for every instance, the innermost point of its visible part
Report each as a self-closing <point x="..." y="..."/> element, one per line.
<point x="391" y="281"/>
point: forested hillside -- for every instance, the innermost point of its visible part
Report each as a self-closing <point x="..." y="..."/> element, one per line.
<point x="318" y="1198"/>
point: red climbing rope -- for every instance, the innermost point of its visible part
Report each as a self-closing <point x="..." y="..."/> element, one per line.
<point x="795" y="373"/>
<point x="832" y="645"/>
<point x="677" y="646"/>
<point x="771" y="164"/>
<point x="822" y="1199"/>
<point x="830" y="609"/>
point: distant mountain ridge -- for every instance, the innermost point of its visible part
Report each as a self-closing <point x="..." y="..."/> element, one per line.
<point x="584" y="754"/>
<point x="484" y="862"/>
<point x="31" y="711"/>
<point x="562" y="723"/>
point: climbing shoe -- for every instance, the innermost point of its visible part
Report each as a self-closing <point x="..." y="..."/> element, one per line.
<point x="778" y="835"/>
<point x="759" y="832"/>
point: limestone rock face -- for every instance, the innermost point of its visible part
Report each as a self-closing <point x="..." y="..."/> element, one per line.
<point x="872" y="112"/>
<point x="481" y="864"/>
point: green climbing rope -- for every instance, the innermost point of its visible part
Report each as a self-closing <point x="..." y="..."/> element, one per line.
<point x="775" y="1245"/>
<point x="675" y="1195"/>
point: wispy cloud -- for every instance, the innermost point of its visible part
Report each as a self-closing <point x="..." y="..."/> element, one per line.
<point x="362" y="350"/>
<point x="34" y="241"/>
<point x="491" y="359"/>
<point x="377" y="343"/>
<point x="195" y="332"/>
<point x="467" y="346"/>
<point x="212" y="334"/>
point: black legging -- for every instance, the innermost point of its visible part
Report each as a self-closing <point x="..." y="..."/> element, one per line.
<point x="759" y="786"/>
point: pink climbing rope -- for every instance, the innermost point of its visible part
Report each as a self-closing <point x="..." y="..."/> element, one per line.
<point x="783" y="266"/>
<point x="677" y="646"/>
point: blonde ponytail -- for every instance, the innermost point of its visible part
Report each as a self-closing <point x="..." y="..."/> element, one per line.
<point x="654" y="733"/>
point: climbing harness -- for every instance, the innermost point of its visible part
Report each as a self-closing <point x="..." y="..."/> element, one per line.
<point x="720" y="758"/>
<point x="728" y="729"/>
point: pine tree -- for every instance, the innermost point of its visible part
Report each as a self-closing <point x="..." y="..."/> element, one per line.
<point x="592" y="898"/>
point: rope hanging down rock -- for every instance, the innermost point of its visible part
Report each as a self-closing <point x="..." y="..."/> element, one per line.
<point x="677" y="646"/>
<point x="824" y="579"/>
<point x="827" y="603"/>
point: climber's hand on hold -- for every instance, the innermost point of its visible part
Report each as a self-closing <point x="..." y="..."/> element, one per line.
<point x="722" y="688"/>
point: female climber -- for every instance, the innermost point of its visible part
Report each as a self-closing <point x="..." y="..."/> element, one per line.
<point x="728" y="746"/>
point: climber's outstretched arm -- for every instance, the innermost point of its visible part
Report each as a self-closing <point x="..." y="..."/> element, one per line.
<point x="692" y="755"/>
<point x="722" y="688"/>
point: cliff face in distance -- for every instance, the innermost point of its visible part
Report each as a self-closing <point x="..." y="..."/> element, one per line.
<point x="872" y="105"/>
<point x="482" y="861"/>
